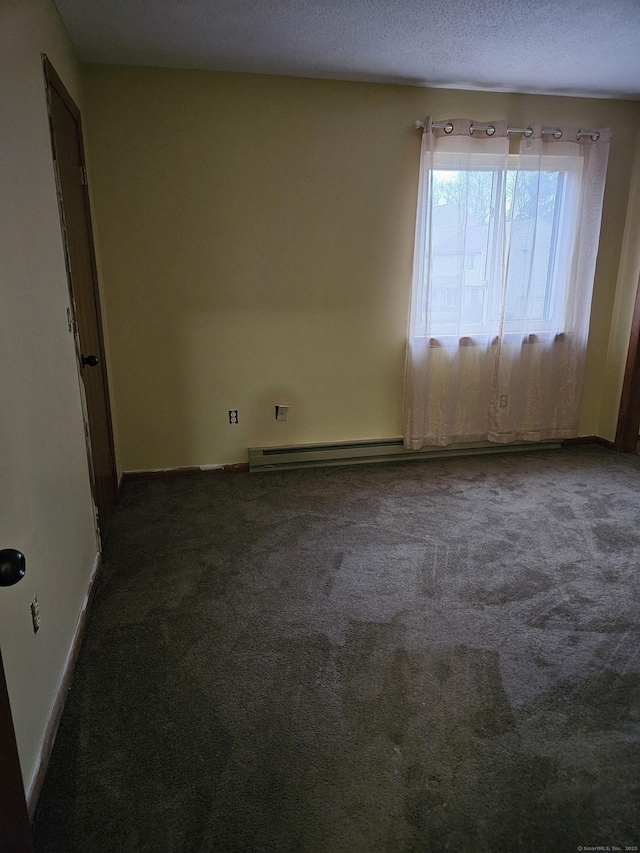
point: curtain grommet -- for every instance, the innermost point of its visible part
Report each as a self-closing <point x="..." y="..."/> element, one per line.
<point x="528" y="131"/>
<point x="448" y="128"/>
<point x="557" y="134"/>
<point x="491" y="130"/>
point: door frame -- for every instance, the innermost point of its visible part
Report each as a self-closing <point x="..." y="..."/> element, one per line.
<point x="53" y="81"/>
<point x="629" y="415"/>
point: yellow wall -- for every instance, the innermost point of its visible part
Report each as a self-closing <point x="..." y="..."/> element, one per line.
<point x="45" y="503"/>
<point x="256" y="238"/>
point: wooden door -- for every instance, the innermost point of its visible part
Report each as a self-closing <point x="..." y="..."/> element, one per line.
<point x="68" y="155"/>
<point x="629" y="415"/>
<point x="15" y="830"/>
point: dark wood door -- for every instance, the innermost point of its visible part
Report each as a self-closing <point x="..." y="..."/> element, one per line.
<point x="68" y="155"/>
<point x="15" y="831"/>
<point x="629" y="416"/>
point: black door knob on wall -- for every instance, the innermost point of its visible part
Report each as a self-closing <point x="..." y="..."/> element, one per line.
<point x="91" y="360"/>
<point x="12" y="566"/>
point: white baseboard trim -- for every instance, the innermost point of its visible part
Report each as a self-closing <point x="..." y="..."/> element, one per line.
<point x="57" y="707"/>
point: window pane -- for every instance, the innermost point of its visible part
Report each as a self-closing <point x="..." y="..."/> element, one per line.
<point x="534" y="203"/>
<point x="498" y="253"/>
<point x="461" y="229"/>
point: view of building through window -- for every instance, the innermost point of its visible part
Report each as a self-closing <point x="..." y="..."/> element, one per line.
<point x="500" y="239"/>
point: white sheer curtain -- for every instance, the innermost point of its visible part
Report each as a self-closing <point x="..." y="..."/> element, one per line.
<point x="505" y="255"/>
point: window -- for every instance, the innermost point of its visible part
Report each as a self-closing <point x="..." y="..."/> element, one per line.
<point x="499" y="245"/>
<point x="504" y="261"/>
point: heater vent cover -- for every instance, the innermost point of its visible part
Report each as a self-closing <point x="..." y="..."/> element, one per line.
<point x="373" y="450"/>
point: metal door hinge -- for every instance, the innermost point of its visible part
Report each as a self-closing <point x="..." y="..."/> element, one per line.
<point x="83" y="175"/>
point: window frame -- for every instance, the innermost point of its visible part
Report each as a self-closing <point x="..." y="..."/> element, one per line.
<point x="559" y="260"/>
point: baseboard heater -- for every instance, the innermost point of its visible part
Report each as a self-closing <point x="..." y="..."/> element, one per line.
<point x="375" y="450"/>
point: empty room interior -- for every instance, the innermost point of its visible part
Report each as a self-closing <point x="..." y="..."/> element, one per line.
<point x="320" y="373"/>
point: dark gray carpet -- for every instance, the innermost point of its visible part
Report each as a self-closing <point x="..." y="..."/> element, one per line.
<point x="437" y="656"/>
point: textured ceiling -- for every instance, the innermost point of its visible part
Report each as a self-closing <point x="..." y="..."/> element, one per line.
<point x="577" y="47"/>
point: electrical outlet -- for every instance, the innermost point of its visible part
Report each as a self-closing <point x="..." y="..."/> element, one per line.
<point x="233" y="416"/>
<point x="35" y="614"/>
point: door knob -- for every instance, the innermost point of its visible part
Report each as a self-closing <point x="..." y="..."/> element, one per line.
<point x="12" y="566"/>
<point x="91" y="360"/>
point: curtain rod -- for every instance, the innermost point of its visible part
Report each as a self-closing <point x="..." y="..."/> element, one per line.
<point x="527" y="131"/>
